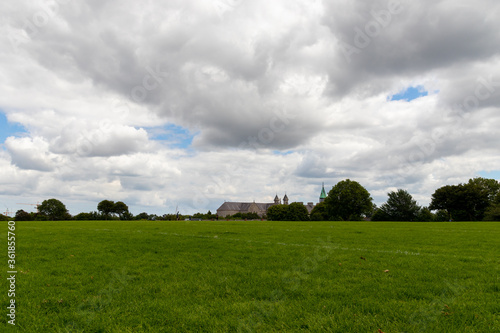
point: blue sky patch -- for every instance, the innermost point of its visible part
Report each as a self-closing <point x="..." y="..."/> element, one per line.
<point x="283" y="153"/>
<point x="410" y="94"/>
<point x="490" y="174"/>
<point x="9" y="129"/>
<point x="174" y="135"/>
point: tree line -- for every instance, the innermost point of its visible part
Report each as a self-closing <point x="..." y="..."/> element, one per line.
<point x="476" y="200"/>
<point x="55" y="210"/>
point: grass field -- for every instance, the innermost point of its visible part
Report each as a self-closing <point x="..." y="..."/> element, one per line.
<point x="254" y="276"/>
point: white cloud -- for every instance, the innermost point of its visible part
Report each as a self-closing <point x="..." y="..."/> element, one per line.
<point x="89" y="80"/>
<point x="30" y="154"/>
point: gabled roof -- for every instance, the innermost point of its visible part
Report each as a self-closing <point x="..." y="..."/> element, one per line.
<point x="230" y="206"/>
<point x="243" y="206"/>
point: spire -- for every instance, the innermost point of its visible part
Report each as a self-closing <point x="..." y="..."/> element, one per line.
<point x="322" y="196"/>
<point x="285" y="199"/>
<point x="277" y="200"/>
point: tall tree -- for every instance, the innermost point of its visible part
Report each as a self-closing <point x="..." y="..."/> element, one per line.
<point x="296" y="211"/>
<point x="319" y="212"/>
<point x="463" y="202"/>
<point x="53" y="209"/>
<point x="400" y="206"/>
<point x="106" y="207"/>
<point x="277" y="213"/>
<point x="492" y="213"/>
<point x="121" y="209"/>
<point x="349" y="201"/>
<point x="492" y="186"/>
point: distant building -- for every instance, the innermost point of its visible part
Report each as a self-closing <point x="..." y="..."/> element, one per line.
<point x="231" y="208"/>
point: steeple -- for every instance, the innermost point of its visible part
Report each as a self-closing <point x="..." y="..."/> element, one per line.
<point x="322" y="196"/>
<point x="285" y="200"/>
<point x="277" y="200"/>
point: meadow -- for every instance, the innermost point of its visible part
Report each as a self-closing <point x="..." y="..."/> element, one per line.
<point x="254" y="276"/>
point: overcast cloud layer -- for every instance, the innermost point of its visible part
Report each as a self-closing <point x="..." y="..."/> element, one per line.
<point x="189" y="103"/>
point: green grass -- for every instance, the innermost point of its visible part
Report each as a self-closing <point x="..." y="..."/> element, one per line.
<point x="112" y="276"/>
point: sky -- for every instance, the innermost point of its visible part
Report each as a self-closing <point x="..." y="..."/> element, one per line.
<point x="185" y="104"/>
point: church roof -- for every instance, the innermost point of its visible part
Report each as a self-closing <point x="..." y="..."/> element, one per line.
<point x="243" y="206"/>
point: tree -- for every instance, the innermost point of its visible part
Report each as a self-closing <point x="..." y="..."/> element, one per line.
<point x="277" y="213"/>
<point x="53" y="209"/>
<point x="400" y="207"/>
<point x="142" y="216"/>
<point x="106" y="207"/>
<point x="492" y="186"/>
<point x="296" y="211"/>
<point x="87" y="216"/>
<point x="492" y="213"/>
<point x="22" y="215"/>
<point x="425" y="215"/>
<point x="319" y="212"/>
<point x="380" y="215"/>
<point x="441" y="216"/>
<point x="349" y="201"/>
<point x="121" y="209"/>
<point x="463" y="202"/>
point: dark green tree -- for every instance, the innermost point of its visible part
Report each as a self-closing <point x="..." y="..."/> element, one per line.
<point x="492" y="213"/>
<point x="425" y="215"/>
<point x="441" y="216"/>
<point x="319" y="212"/>
<point x="142" y="216"/>
<point x="53" y="209"/>
<point x="106" y="207"/>
<point x="463" y="202"/>
<point x="380" y="215"/>
<point x="83" y="217"/>
<point x="296" y="211"/>
<point x="400" y="206"/>
<point x="121" y="209"/>
<point x="22" y="215"/>
<point x="277" y="213"/>
<point x="492" y="186"/>
<point x="349" y="201"/>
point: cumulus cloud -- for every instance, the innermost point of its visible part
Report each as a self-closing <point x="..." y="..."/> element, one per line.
<point x="30" y="154"/>
<point x="276" y="96"/>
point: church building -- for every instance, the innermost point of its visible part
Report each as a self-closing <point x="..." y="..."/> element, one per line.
<point x="231" y="208"/>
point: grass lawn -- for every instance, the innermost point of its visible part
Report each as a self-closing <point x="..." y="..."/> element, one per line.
<point x="117" y="276"/>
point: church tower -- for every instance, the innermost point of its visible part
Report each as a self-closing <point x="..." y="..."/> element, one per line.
<point x="322" y="196"/>
<point x="277" y="200"/>
<point x="285" y="200"/>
